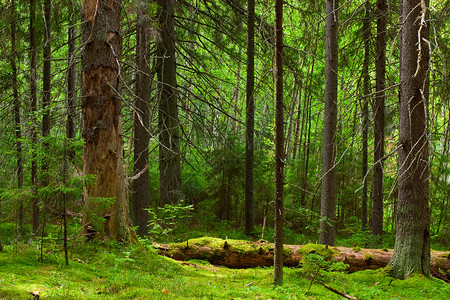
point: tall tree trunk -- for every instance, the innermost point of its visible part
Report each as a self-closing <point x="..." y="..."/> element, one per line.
<point x="33" y="106"/>
<point x="327" y="203"/>
<point x="365" y="112"/>
<point x="296" y="98"/>
<point x="141" y="189"/>
<point x="236" y="96"/>
<point x="102" y="121"/>
<point x="279" y="146"/>
<point x="306" y="144"/>
<point x="16" y="103"/>
<point x="306" y="152"/>
<point x="169" y="145"/>
<point x="46" y="90"/>
<point x="71" y="83"/>
<point x="380" y="65"/>
<point x="412" y="240"/>
<point x="69" y="151"/>
<point x="299" y="121"/>
<point x="250" y="120"/>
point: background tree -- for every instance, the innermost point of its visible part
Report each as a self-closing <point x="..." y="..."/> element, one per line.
<point x="141" y="193"/>
<point x="365" y="111"/>
<point x="250" y="120"/>
<point x="46" y="86"/>
<point x="412" y="240"/>
<point x="380" y="66"/>
<point x="279" y="146"/>
<point x="71" y="80"/>
<point x="328" y="198"/>
<point x="33" y="108"/>
<point x="17" y="123"/>
<point x="169" y="147"/>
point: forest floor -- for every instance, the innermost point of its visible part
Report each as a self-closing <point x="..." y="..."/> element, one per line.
<point x="114" y="271"/>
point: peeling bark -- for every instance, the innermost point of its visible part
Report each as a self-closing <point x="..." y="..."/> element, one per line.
<point x="102" y="120"/>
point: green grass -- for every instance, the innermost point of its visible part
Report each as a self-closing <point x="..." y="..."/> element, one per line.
<point x="97" y="271"/>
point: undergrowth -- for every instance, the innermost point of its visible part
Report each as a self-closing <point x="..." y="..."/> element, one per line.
<point x="115" y="271"/>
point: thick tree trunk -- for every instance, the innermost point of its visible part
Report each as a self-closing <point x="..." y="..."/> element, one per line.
<point x="328" y="198"/>
<point x="279" y="146"/>
<point x="380" y="65"/>
<point x="141" y="189"/>
<point x="169" y="145"/>
<point x="242" y="254"/>
<point x="412" y="241"/>
<point x="105" y="203"/>
<point x="33" y="107"/>
<point x="250" y="121"/>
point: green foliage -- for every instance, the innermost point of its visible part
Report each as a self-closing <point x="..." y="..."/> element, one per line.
<point x="164" y="220"/>
<point x="318" y="267"/>
<point x="312" y="262"/>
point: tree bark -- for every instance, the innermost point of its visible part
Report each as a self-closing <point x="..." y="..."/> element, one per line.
<point x="242" y="254"/>
<point x="307" y="141"/>
<point x="279" y="146"/>
<point x="169" y="145"/>
<point x="71" y="84"/>
<point x="365" y="112"/>
<point x="328" y="198"/>
<point x="33" y="107"/>
<point x="141" y="189"/>
<point x="16" y="103"/>
<point x="105" y="203"/>
<point x="46" y="94"/>
<point x="412" y="241"/>
<point x="380" y="65"/>
<point x="250" y="121"/>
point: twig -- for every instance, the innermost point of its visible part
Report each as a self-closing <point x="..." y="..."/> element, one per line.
<point x="312" y="280"/>
<point x="337" y="292"/>
<point x="249" y="284"/>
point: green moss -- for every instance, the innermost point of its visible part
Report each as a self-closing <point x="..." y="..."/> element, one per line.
<point x="356" y="248"/>
<point x="286" y="251"/>
<point x="106" y="275"/>
<point x="239" y="246"/>
<point x="205" y="241"/>
<point x="244" y="248"/>
<point x="321" y="250"/>
<point x="368" y="256"/>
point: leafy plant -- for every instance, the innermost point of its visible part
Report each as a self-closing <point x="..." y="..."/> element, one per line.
<point x="313" y="263"/>
<point x="164" y="220"/>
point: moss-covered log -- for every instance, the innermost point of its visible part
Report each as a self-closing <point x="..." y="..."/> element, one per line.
<point x="244" y="254"/>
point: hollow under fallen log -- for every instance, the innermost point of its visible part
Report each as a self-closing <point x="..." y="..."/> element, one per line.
<point x="244" y="254"/>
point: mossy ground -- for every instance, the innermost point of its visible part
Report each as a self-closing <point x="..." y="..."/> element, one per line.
<point x="98" y="271"/>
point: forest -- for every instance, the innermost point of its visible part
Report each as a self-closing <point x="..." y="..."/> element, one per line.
<point x="225" y="149"/>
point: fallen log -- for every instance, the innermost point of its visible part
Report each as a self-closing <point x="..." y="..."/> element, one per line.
<point x="244" y="254"/>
